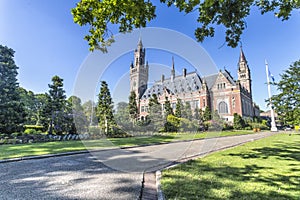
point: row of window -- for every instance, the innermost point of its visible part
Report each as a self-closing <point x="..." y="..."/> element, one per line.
<point x="194" y="104"/>
<point x="221" y="86"/>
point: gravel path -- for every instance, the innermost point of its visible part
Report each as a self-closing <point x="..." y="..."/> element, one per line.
<point x="112" y="174"/>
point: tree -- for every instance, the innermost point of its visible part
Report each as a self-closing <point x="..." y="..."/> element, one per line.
<point x="207" y="114"/>
<point x="12" y="113"/>
<point x="287" y="102"/>
<point x="105" y="110"/>
<point x="28" y="100"/>
<point x="155" y="114"/>
<point x="89" y="110"/>
<point x="187" y="111"/>
<point x="39" y="104"/>
<point x="179" y="107"/>
<point x="238" y="122"/>
<point x="132" y="106"/>
<point x="122" y="117"/>
<point x="230" y="14"/>
<point x="168" y="108"/>
<point x="55" y="112"/>
<point x="198" y="115"/>
<point x="80" y="121"/>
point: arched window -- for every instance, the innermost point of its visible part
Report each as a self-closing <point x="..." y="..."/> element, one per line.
<point x="223" y="108"/>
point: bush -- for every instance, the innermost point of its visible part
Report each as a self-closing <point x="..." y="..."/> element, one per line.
<point x="14" y="135"/>
<point x="30" y="131"/>
<point x="35" y="127"/>
<point x="227" y="127"/>
<point x="172" y="123"/>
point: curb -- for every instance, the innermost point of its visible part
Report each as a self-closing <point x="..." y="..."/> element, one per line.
<point x="42" y="156"/>
<point x="160" y="195"/>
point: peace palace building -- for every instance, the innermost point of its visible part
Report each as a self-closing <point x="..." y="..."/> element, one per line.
<point x="218" y="91"/>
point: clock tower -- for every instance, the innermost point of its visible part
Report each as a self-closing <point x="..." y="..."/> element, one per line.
<point x="139" y="71"/>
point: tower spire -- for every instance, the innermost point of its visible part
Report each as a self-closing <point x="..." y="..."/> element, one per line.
<point x="242" y="55"/>
<point x="173" y="69"/>
<point x="140" y="44"/>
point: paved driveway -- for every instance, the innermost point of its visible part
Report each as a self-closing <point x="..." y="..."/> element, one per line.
<point x="112" y="174"/>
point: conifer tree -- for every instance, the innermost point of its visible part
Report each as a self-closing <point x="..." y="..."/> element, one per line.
<point x="12" y="113"/>
<point x="187" y="111"/>
<point x="155" y="115"/>
<point x="55" y="111"/>
<point x="198" y="114"/>
<point x="207" y="114"/>
<point x="287" y="102"/>
<point x="179" y="107"/>
<point x="132" y="106"/>
<point x="168" y="108"/>
<point x="105" y="110"/>
<point x="80" y="121"/>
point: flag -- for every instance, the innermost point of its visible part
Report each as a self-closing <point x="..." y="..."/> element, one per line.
<point x="271" y="75"/>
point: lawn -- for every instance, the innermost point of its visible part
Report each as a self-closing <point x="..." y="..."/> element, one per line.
<point x="264" y="169"/>
<point x="21" y="150"/>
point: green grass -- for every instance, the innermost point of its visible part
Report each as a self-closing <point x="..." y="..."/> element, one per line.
<point x="264" y="169"/>
<point x="21" y="150"/>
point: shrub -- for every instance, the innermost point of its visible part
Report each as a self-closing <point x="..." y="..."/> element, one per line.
<point x="227" y="127"/>
<point x="35" y="127"/>
<point x="30" y="131"/>
<point x="172" y="123"/>
<point x="14" y="135"/>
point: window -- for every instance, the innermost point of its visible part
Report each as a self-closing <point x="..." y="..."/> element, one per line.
<point x="196" y="104"/>
<point x="173" y="106"/>
<point x="142" y="108"/>
<point x="204" y="103"/>
<point x="223" y="108"/>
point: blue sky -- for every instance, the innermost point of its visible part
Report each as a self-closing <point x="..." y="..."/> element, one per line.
<point x="47" y="43"/>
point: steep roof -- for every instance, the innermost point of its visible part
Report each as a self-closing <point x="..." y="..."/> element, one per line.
<point x="181" y="84"/>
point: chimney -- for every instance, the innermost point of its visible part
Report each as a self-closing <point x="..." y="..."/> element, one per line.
<point x="184" y="72"/>
<point x="162" y="78"/>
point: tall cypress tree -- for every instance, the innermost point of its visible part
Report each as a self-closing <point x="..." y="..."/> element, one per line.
<point x="179" y="107"/>
<point x="155" y="114"/>
<point x="12" y="113"/>
<point x="105" y="110"/>
<point x="132" y="106"/>
<point x="168" y="108"/>
<point x="207" y="114"/>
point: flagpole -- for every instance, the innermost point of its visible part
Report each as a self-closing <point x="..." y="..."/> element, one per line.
<point x="273" y="124"/>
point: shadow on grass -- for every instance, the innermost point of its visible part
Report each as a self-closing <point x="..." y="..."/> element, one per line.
<point x="223" y="183"/>
<point x="216" y="180"/>
<point x="280" y="150"/>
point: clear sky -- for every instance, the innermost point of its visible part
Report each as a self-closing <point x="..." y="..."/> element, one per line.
<point x="47" y="43"/>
